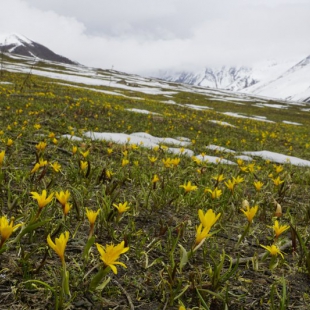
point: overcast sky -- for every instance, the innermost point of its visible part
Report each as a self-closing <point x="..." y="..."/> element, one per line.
<point x="142" y="36"/>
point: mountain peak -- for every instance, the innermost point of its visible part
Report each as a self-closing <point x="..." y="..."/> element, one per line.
<point x="19" y="44"/>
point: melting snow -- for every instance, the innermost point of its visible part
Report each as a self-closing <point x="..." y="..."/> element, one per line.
<point x="222" y="123"/>
<point x="291" y="123"/>
<point x="215" y="160"/>
<point x="219" y="148"/>
<point x="280" y="158"/>
<point x="197" y="107"/>
<point x="142" y="111"/>
<point x="257" y="118"/>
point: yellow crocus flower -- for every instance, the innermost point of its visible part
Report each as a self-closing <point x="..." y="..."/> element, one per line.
<point x="92" y="216"/>
<point x="201" y="234"/>
<point x="42" y="199"/>
<point x="121" y="207"/>
<point x="41" y="146"/>
<point x="2" y="154"/>
<point x="60" y="244"/>
<point x="63" y="197"/>
<point x="258" y="185"/>
<point x="189" y="187"/>
<point x="111" y="253"/>
<point x="277" y="181"/>
<point x="56" y="166"/>
<point x="83" y="165"/>
<point x="6" y="229"/>
<point x="152" y="159"/>
<point x="155" y="178"/>
<point x="250" y="212"/>
<point x="273" y="250"/>
<point x="279" y="229"/>
<point x="209" y="218"/>
<point x="125" y="162"/>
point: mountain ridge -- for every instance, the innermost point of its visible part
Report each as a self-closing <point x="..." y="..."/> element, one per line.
<point x="20" y="45"/>
<point x="263" y="79"/>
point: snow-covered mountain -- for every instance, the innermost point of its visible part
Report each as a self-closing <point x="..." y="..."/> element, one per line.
<point x="293" y="84"/>
<point x="288" y="80"/>
<point x="20" y="45"/>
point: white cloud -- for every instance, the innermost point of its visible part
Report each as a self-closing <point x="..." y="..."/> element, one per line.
<point x="141" y="36"/>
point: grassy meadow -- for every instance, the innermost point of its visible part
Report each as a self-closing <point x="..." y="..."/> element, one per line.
<point x="89" y="224"/>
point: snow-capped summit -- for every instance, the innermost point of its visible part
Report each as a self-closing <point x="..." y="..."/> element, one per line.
<point x="288" y="80"/>
<point x="19" y="44"/>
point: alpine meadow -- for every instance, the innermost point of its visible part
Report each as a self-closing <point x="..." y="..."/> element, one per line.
<point x="124" y="192"/>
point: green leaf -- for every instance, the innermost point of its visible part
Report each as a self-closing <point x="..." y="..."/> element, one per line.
<point x="184" y="257"/>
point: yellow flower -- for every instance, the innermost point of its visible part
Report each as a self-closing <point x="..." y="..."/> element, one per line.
<point x="230" y="185"/>
<point x="9" y="142"/>
<point x="152" y="159"/>
<point x="196" y="160"/>
<point x="2" y="157"/>
<point x="201" y="234"/>
<point x="155" y="178"/>
<point x="110" y="151"/>
<point x="56" y="166"/>
<point x="273" y="250"/>
<point x="182" y="307"/>
<point x="218" y="178"/>
<point x="92" y="216"/>
<point x="240" y="162"/>
<point x="85" y="154"/>
<point x="67" y="208"/>
<point x="63" y="197"/>
<point x="250" y="212"/>
<point x="175" y="161"/>
<point x="258" y="185"/>
<point x="125" y="162"/>
<point x="278" y="168"/>
<point x="189" y="187"/>
<point x="208" y="219"/>
<point x="60" y="244"/>
<point x="167" y="162"/>
<point x="109" y="174"/>
<point x="55" y="141"/>
<point x="121" y="207"/>
<point x="74" y="150"/>
<point x="216" y="193"/>
<point x="35" y="168"/>
<point x="277" y="181"/>
<point x="7" y="228"/>
<point x="251" y="167"/>
<point x="279" y="229"/>
<point x="42" y="199"/>
<point x="238" y="180"/>
<point x="41" y="146"/>
<point x="37" y="126"/>
<point x="51" y="135"/>
<point x="83" y="165"/>
<point x="110" y="254"/>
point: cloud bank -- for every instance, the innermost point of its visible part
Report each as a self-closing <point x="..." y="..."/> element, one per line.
<point x="143" y="36"/>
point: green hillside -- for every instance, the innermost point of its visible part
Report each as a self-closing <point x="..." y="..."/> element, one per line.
<point x="190" y="229"/>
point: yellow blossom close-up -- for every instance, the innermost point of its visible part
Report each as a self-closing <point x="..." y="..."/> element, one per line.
<point x="60" y="244"/>
<point x="110" y="253"/>
<point x="250" y="212"/>
<point x="121" y="207"/>
<point x="42" y="199"/>
<point x="189" y="187"/>
<point x="7" y="228"/>
<point x="273" y="250"/>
